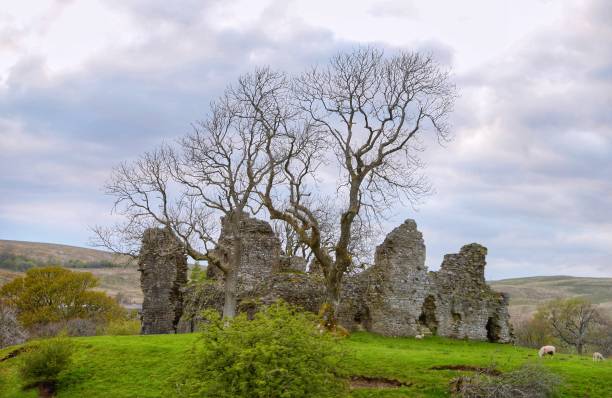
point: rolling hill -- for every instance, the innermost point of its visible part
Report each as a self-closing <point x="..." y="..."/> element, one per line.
<point x="115" y="273"/>
<point x="60" y="254"/>
<point x="527" y="293"/>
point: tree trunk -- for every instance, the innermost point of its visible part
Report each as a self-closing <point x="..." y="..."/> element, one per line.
<point x="579" y="347"/>
<point x="329" y="309"/>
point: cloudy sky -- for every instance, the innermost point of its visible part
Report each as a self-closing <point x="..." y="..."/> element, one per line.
<point x="86" y="84"/>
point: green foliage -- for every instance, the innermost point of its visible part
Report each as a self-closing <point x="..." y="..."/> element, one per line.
<point x="46" y="360"/>
<point x="575" y="322"/>
<point x="4" y="382"/>
<point x="90" y="264"/>
<point x="280" y="353"/>
<point x="56" y="295"/>
<point x="197" y="274"/>
<point x="534" y="332"/>
<point x="16" y="263"/>
<point x="122" y="327"/>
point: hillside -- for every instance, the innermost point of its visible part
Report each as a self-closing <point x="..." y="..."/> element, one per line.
<point x="115" y="273"/>
<point x="139" y="366"/>
<point x="61" y="254"/>
<point x="527" y="293"/>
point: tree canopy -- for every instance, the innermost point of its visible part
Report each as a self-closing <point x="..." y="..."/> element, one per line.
<point x="55" y="294"/>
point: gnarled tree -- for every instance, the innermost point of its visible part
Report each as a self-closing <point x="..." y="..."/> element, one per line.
<point x="364" y="114"/>
<point x="575" y="321"/>
<point x="214" y="171"/>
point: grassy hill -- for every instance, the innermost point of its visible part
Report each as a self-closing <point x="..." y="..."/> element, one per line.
<point x="138" y="366"/>
<point x="50" y="253"/>
<point x="527" y="293"/>
<point x="115" y="273"/>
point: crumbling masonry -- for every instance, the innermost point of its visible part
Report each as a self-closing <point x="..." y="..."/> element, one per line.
<point x="397" y="296"/>
<point x="163" y="267"/>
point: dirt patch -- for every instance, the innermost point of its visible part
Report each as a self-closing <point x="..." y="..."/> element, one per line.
<point x="375" y="382"/>
<point x="468" y="368"/>
<point x="13" y="354"/>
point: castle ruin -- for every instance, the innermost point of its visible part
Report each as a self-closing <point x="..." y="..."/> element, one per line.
<point x="163" y="275"/>
<point x="397" y="296"/>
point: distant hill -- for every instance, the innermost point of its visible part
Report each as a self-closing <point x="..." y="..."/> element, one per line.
<point x="115" y="273"/>
<point x="527" y="293"/>
<point x="16" y="255"/>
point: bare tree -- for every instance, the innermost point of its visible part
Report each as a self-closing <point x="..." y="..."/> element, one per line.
<point x="214" y="171"/>
<point x="11" y="331"/>
<point x="277" y="144"/>
<point x="573" y="321"/>
<point x="363" y="113"/>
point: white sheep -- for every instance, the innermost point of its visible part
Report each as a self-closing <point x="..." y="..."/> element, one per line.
<point x="547" y="349"/>
<point x="419" y="336"/>
<point x="598" y="357"/>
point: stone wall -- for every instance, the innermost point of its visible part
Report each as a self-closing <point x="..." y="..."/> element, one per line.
<point x="397" y="296"/>
<point x="260" y="253"/>
<point x="397" y="284"/>
<point x="163" y="267"/>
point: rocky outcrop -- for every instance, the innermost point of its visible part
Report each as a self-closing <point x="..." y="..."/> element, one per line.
<point x="163" y="267"/>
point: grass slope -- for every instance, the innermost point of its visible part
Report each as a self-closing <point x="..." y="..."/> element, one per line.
<point x="527" y="293"/>
<point x="138" y="366"/>
<point x="112" y="280"/>
<point x="61" y="253"/>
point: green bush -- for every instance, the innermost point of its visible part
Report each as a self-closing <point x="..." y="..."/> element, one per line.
<point x="45" y="360"/>
<point x="279" y="354"/>
<point x="122" y="327"/>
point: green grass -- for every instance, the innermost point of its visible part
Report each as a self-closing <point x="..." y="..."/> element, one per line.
<point x="138" y="366"/>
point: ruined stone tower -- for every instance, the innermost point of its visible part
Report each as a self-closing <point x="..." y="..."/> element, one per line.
<point x="397" y="296"/>
<point x="397" y="283"/>
<point x="260" y="254"/>
<point x="464" y="306"/>
<point x="163" y="267"/>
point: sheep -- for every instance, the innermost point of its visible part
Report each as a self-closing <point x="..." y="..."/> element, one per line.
<point x="419" y="336"/>
<point x="547" y="349"/>
<point x="598" y="357"/>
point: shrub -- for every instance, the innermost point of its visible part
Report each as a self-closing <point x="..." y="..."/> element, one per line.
<point x="280" y="353"/>
<point x="528" y="381"/>
<point x="11" y="332"/>
<point x="123" y="327"/>
<point x="45" y="361"/>
<point x="81" y="327"/>
<point x="55" y="295"/>
<point x="533" y="333"/>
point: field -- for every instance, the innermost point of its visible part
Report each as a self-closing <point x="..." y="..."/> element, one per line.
<point x="138" y="366"/>
<point x="123" y="278"/>
<point x="44" y="252"/>
<point x="527" y="293"/>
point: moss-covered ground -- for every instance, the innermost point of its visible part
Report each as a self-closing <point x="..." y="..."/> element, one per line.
<point x="138" y="366"/>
